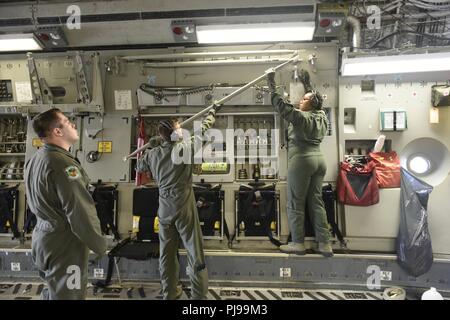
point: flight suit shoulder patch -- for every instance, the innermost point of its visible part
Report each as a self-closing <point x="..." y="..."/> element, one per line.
<point x="72" y="172"/>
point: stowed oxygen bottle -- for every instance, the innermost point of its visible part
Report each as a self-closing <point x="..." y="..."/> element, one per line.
<point x="379" y="144"/>
<point x="256" y="172"/>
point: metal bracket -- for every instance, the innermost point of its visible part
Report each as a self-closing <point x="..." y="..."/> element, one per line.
<point x="46" y="92"/>
<point x="97" y="86"/>
<point x="82" y="85"/>
<point x="40" y="90"/>
<point x="34" y="80"/>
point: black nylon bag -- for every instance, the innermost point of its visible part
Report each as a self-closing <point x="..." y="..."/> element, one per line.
<point x="209" y="209"/>
<point x="145" y="206"/>
<point x="145" y="202"/>
<point x="257" y="214"/>
<point x="105" y="197"/>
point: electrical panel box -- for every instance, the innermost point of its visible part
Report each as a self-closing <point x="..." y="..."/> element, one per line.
<point x="256" y="135"/>
<point x="440" y="95"/>
<point x="330" y="24"/>
<point x="13" y="129"/>
<point x="6" y="92"/>
<point x="104" y="148"/>
<point x="393" y="120"/>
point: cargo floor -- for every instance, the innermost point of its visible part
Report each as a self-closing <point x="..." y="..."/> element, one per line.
<point x="151" y="291"/>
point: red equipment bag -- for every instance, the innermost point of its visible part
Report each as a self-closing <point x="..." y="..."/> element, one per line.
<point x="357" y="184"/>
<point x="387" y="168"/>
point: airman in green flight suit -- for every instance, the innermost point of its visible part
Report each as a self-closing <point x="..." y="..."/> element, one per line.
<point x="177" y="213"/>
<point x="57" y="190"/>
<point x="308" y="124"/>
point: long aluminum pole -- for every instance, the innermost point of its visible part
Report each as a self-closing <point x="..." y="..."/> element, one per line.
<point x="218" y="103"/>
<point x="192" y="55"/>
<point x="209" y="63"/>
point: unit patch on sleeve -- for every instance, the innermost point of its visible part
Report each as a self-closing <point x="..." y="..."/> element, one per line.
<point x="72" y="172"/>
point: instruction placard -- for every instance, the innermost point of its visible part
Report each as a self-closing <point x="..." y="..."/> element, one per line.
<point x="104" y="146"/>
<point x="15" y="266"/>
<point x="99" y="273"/>
<point x="122" y="99"/>
<point x="23" y="91"/>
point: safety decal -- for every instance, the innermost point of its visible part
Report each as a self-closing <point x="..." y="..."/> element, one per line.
<point x="73" y="172"/>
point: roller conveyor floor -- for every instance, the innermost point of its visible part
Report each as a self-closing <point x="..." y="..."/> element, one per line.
<point x="151" y="291"/>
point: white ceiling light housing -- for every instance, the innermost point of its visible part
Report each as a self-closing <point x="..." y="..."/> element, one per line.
<point x="19" y="42"/>
<point x="396" y="64"/>
<point x="256" y="32"/>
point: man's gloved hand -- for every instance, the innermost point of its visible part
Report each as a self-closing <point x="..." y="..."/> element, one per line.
<point x="271" y="80"/>
<point x="214" y="109"/>
<point x="211" y="112"/>
<point x="305" y="79"/>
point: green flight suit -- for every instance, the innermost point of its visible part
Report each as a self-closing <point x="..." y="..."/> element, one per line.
<point x="177" y="213"/>
<point x="306" y="169"/>
<point x="67" y="223"/>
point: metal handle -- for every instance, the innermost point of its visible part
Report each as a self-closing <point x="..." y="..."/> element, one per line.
<point x="219" y="102"/>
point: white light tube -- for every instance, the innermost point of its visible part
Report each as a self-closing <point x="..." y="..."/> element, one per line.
<point x="19" y="42"/>
<point x="258" y="32"/>
<point x="396" y="64"/>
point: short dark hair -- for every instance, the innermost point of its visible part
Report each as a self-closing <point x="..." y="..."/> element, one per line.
<point x="46" y="121"/>
<point x="166" y="127"/>
<point x="316" y="100"/>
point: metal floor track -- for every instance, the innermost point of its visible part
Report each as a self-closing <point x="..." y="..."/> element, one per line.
<point x="244" y="275"/>
<point x="32" y="291"/>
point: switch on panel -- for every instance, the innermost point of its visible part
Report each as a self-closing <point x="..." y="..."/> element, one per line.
<point x="6" y="93"/>
<point x="393" y="120"/>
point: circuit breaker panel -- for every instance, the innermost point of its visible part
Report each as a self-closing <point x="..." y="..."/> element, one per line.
<point x="13" y="135"/>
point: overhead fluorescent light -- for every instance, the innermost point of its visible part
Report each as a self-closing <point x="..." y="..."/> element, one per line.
<point x="19" y="42"/>
<point x="396" y="64"/>
<point x="257" y="32"/>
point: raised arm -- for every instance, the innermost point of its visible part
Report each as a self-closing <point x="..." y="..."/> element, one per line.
<point x="286" y="110"/>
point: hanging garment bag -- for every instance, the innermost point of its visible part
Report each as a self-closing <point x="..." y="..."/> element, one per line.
<point x="387" y="169"/>
<point x="414" y="250"/>
<point x="357" y="184"/>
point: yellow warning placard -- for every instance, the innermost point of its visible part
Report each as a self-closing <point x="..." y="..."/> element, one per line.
<point x="136" y="224"/>
<point x="104" y="146"/>
<point x="215" y="167"/>
<point x="37" y="143"/>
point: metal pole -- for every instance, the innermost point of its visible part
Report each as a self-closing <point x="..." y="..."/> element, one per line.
<point x="175" y="64"/>
<point x="192" y="55"/>
<point x="218" y="103"/>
